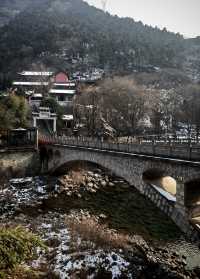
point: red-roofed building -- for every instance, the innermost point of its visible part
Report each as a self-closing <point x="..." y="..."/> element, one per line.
<point x="61" y="77"/>
<point x="62" y="89"/>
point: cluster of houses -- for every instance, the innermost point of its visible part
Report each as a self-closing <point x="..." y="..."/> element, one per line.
<point x="37" y="85"/>
<point x="58" y="85"/>
<point x="89" y="76"/>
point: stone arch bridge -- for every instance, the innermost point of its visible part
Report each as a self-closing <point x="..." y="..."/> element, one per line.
<point x="132" y="162"/>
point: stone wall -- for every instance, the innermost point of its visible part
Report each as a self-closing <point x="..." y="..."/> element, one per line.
<point x="170" y="209"/>
<point x="18" y="164"/>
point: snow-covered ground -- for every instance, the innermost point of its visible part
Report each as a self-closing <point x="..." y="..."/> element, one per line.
<point x="53" y="230"/>
<point x="66" y="255"/>
<point x="22" y="191"/>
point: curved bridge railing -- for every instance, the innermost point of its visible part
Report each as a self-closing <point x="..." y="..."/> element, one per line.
<point x="185" y="150"/>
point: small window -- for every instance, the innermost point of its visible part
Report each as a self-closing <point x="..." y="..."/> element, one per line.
<point x="61" y="98"/>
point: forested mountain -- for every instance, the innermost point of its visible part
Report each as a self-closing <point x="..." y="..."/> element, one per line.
<point x="191" y="64"/>
<point x="10" y="8"/>
<point x="73" y="35"/>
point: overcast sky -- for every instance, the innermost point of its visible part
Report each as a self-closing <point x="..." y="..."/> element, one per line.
<point x="181" y="16"/>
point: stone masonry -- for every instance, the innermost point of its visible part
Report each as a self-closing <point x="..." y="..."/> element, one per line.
<point x="131" y="168"/>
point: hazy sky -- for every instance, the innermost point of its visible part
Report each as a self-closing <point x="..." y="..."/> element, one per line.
<point x="176" y="15"/>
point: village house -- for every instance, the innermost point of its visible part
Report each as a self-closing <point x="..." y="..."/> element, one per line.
<point x="63" y="89"/>
<point x="36" y="85"/>
<point x="33" y="85"/>
<point x="29" y="81"/>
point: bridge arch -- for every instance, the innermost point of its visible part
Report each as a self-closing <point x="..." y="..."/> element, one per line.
<point x="78" y="164"/>
<point x="113" y="164"/>
<point x="135" y="168"/>
<point x="131" y="168"/>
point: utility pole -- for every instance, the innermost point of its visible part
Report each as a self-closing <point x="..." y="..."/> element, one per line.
<point x="104" y="3"/>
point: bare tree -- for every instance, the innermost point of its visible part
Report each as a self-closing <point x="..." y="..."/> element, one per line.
<point x="191" y="109"/>
<point x="119" y="102"/>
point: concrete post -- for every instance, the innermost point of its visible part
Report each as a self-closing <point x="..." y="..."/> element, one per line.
<point x="37" y="139"/>
<point x="34" y="122"/>
<point x="54" y="125"/>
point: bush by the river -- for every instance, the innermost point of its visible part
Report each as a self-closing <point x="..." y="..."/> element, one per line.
<point x="17" y="245"/>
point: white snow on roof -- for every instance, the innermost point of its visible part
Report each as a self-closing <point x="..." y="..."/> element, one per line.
<point x="44" y="109"/>
<point x="68" y="117"/>
<point x="65" y="84"/>
<point x="62" y="91"/>
<point x="37" y="95"/>
<point x="29" y="73"/>
<point x="19" y="129"/>
<point x="167" y="195"/>
<point x="27" y="83"/>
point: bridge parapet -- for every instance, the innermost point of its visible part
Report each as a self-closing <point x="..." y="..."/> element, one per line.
<point x="179" y="150"/>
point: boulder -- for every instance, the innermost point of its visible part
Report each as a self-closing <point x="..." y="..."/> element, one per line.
<point x="103" y="183"/>
<point x="102" y="216"/>
<point x="90" y="173"/>
<point x="92" y="190"/>
<point x="89" y="179"/>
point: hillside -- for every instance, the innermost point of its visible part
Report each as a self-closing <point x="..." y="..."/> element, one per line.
<point x="74" y="29"/>
<point x="192" y="61"/>
<point x="10" y="8"/>
<point x="71" y="34"/>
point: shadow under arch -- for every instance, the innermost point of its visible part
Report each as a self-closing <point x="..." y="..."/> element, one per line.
<point x="192" y="192"/>
<point x="160" y="179"/>
<point x="192" y="200"/>
<point x="79" y="165"/>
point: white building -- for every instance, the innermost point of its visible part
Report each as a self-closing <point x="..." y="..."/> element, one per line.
<point x="63" y="90"/>
<point x="35" y="84"/>
<point x="31" y="83"/>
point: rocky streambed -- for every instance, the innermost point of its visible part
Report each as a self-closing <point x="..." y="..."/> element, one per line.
<point x="96" y="226"/>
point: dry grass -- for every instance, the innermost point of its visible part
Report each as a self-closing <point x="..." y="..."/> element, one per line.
<point x="24" y="273"/>
<point x="95" y="235"/>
